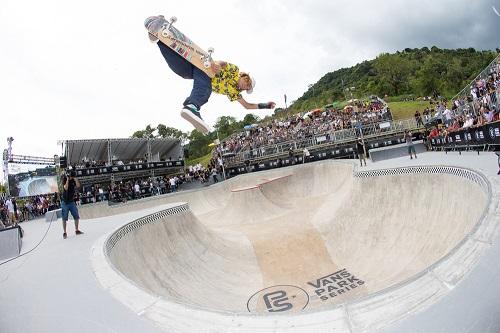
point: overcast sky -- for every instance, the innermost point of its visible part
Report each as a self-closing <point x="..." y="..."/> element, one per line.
<point x="86" y="69"/>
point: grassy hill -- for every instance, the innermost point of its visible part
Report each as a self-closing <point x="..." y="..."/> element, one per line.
<point x="422" y="72"/>
<point x="406" y="109"/>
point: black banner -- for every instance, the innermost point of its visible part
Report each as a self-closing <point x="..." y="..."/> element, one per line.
<point x="483" y="135"/>
<point x="128" y="167"/>
<point x="346" y="151"/>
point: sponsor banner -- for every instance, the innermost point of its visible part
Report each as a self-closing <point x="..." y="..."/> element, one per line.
<point x="479" y="135"/>
<point x="487" y="134"/>
<point x="129" y="167"/>
<point x="493" y="132"/>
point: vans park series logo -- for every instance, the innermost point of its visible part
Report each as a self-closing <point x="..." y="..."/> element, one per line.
<point x="335" y="284"/>
<point x="284" y="298"/>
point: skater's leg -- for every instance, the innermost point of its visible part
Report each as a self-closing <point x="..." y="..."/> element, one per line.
<point x="177" y="64"/>
<point x="202" y="86"/>
<point x="202" y="89"/>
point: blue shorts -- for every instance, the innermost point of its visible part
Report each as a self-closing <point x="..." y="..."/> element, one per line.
<point x="67" y="207"/>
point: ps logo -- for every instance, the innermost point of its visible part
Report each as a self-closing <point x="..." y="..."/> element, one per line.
<point x="276" y="301"/>
<point x="278" y="298"/>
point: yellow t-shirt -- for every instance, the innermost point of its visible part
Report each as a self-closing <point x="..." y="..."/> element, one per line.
<point x="226" y="82"/>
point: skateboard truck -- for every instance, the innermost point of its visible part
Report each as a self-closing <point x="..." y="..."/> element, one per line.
<point x="207" y="59"/>
<point x="173" y="19"/>
<point x="168" y="26"/>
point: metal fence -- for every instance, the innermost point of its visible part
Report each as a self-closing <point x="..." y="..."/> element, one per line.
<point x="492" y="101"/>
<point x="487" y="71"/>
<point x="328" y="138"/>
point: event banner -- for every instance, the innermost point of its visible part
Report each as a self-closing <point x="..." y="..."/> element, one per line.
<point x="127" y="167"/>
<point x="483" y="135"/>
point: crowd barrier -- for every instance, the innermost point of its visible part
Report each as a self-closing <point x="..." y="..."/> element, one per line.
<point x="486" y="137"/>
<point x="376" y="133"/>
<point x="10" y="242"/>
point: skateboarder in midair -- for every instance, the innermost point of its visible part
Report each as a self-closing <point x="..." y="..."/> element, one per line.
<point x="228" y="80"/>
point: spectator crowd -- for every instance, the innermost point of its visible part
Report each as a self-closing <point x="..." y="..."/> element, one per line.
<point x="475" y="108"/>
<point x="138" y="188"/>
<point x="15" y="210"/>
<point x="320" y="121"/>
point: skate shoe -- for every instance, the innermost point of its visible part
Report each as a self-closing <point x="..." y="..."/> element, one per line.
<point x="154" y="24"/>
<point x="191" y="114"/>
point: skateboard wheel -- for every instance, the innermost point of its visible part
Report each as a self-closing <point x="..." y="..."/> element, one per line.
<point x="210" y="50"/>
<point x="173" y="19"/>
<point x="206" y="64"/>
<point x="164" y="33"/>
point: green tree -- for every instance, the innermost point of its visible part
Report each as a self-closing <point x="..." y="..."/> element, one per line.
<point x="430" y="76"/>
<point x="394" y="70"/>
<point x="226" y="125"/>
<point x="455" y="77"/>
<point x="198" y="144"/>
<point x="170" y="132"/>
<point x="145" y="133"/>
<point x="250" y="118"/>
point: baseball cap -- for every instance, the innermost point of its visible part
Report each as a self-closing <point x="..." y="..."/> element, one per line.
<point x="249" y="91"/>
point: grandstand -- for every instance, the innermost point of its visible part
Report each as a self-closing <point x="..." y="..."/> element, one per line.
<point x="374" y="124"/>
<point x="473" y="122"/>
<point x="109" y="160"/>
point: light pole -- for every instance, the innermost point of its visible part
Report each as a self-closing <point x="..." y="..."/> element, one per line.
<point x="312" y="87"/>
<point x="350" y="90"/>
<point x="344" y="90"/>
<point x="219" y="148"/>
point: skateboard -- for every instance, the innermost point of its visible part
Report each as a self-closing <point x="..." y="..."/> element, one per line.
<point x="180" y="43"/>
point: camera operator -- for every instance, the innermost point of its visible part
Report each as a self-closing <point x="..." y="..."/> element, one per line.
<point x="70" y="185"/>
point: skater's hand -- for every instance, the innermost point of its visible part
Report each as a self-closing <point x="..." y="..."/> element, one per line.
<point x="215" y="67"/>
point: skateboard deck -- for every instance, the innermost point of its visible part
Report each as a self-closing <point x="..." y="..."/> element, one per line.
<point x="182" y="45"/>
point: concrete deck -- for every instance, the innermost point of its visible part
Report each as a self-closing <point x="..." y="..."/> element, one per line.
<point x="234" y="244"/>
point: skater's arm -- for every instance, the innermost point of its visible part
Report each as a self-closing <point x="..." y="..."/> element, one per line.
<point x="247" y="105"/>
<point x="217" y="66"/>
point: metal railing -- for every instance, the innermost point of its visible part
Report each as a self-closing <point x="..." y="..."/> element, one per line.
<point x="491" y="100"/>
<point x="484" y="73"/>
<point x="327" y="138"/>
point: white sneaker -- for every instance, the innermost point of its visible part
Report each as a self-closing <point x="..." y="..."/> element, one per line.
<point x="191" y="114"/>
